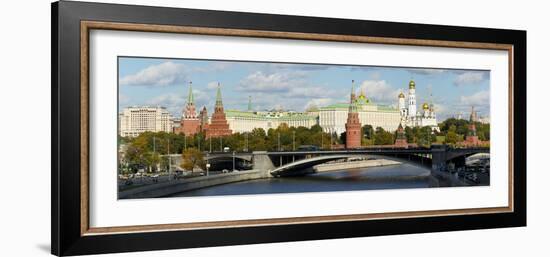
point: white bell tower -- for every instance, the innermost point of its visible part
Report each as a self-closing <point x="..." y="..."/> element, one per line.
<point x="412" y="99"/>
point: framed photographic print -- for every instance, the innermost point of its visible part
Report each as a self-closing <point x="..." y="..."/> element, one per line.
<point x="178" y="128"/>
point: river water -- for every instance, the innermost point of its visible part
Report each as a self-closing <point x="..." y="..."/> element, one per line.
<point x="386" y="177"/>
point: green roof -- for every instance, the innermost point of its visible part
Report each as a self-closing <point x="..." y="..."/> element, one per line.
<point x="237" y="113"/>
<point x="345" y="106"/>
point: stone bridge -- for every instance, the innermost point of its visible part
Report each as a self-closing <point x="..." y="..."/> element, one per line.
<point x="434" y="158"/>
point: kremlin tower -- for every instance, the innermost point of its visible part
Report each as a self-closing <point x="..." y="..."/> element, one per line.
<point x="471" y="138"/>
<point x="400" y="138"/>
<point x="203" y="117"/>
<point x="218" y="124"/>
<point x="353" y="126"/>
<point x="189" y="121"/>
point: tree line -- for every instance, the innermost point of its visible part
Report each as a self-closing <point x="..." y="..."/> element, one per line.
<point x="147" y="149"/>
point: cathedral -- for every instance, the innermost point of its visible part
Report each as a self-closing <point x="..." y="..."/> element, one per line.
<point x="410" y="116"/>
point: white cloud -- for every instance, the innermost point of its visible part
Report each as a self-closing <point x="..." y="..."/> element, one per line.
<point x="428" y="72"/>
<point x="175" y="103"/>
<point x="481" y="98"/>
<point x="307" y="91"/>
<point x="375" y="75"/>
<point x="283" y="90"/>
<point x="444" y="111"/>
<point x="468" y="78"/>
<point x="273" y="82"/>
<point x="380" y="91"/>
<point x="318" y="102"/>
<point x="212" y="85"/>
<point x="164" y="74"/>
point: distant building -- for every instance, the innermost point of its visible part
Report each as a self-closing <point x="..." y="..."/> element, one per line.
<point x="136" y="120"/>
<point x="485" y="120"/>
<point x="176" y="123"/>
<point x="246" y="121"/>
<point x="410" y="116"/>
<point x="333" y="118"/>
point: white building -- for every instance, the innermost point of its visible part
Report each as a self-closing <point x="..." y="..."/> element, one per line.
<point x="333" y="118"/>
<point x="246" y="121"/>
<point x="412" y="118"/>
<point x="136" y="120"/>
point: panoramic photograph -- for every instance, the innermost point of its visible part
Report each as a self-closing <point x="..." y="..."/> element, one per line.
<point x="191" y="127"/>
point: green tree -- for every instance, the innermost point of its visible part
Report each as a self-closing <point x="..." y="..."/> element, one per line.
<point x="368" y="131"/>
<point x="343" y="137"/>
<point x="192" y="158"/>
<point x="409" y="134"/>
<point x="257" y="140"/>
<point x="425" y="136"/>
<point x="382" y="137"/>
<point x="451" y="138"/>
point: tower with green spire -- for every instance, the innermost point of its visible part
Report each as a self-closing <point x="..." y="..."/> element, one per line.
<point x="353" y="125"/>
<point x="190" y="123"/>
<point x="190" y="99"/>
<point x="249" y="103"/>
<point x="219" y="103"/>
<point x="218" y="126"/>
<point x="353" y="98"/>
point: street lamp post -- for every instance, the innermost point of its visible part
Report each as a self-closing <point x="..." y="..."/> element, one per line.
<point x="154" y="150"/>
<point x="279" y="141"/>
<point x="293" y="140"/>
<point x="322" y="137"/>
<point x="207" y="165"/>
<point x="246" y="142"/>
<point x="221" y="144"/>
<point x="293" y="144"/>
<point x="233" y="160"/>
<point x="169" y="162"/>
<point x="199" y="142"/>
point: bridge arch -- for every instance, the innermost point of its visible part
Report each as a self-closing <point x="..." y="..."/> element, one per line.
<point x="305" y="166"/>
<point x="226" y="162"/>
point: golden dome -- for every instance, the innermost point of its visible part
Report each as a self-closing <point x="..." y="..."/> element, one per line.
<point x="425" y="106"/>
<point x="412" y="85"/>
<point x="401" y="95"/>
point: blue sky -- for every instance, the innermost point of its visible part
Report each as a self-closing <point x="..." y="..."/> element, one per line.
<point x="165" y="82"/>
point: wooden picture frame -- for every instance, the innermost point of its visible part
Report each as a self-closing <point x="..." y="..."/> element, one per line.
<point x="71" y="25"/>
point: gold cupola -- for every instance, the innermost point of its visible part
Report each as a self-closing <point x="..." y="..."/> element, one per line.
<point x="412" y="85"/>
